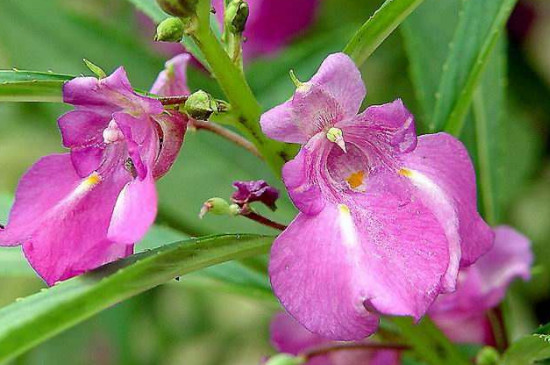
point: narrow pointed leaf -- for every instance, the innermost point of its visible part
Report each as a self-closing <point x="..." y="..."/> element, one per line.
<point x="151" y="9"/>
<point x="30" y="86"/>
<point x="480" y="26"/>
<point x="375" y="30"/>
<point x="29" y="321"/>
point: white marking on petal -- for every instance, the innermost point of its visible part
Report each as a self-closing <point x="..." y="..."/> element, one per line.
<point x="86" y="185"/>
<point x="445" y="209"/>
<point x="349" y="234"/>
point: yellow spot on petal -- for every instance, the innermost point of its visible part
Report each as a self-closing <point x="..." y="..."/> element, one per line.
<point x="343" y="208"/>
<point x="355" y="180"/>
<point x="405" y="172"/>
<point x="93" y="179"/>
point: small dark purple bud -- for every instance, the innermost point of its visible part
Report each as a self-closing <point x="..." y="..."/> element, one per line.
<point x="255" y="191"/>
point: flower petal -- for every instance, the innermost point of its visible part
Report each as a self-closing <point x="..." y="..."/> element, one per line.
<point x="334" y="94"/>
<point x="406" y="249"/>
<point x="173" y="80"/>
<point x="290" y="337"/>
<point x="482" y="286"/>
<point x="81" y="128"/>
<point x="173" y="126"/>
<point x="390" y="127"/>
<point x="299" y="179"/>
<point x="319" y="279"/>
<point x="134" y="212"/>
<point x="107" y="95"/>
<point x="280" y="124"/>
<point x="62" y="219"/>
<point x="510" y="258"/>
<point x="340" y="78"/>
<point x="445" y="166"/>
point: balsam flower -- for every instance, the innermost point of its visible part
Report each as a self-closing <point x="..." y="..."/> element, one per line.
<point x="74" y="212"/>
<point x="462" y="315"/>
<point x="288" y="336"/>
<point x="272" y="24"/>
<point x="386" y="219"/>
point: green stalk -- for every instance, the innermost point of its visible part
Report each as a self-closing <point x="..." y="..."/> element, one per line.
<point x="428" y="342"/>
<point x="237" y="90"/>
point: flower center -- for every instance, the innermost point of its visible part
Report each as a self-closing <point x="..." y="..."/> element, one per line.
<point x="348" y="169"/>
<point x="112" y="133"/>
<point x="335" y="135"/>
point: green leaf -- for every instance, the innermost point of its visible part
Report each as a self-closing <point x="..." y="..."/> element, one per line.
<point x="375" y="30"/>
<point x="479" y="28"/>
<point x="490" y="126"/>
<point x="151" y="9"/>
<point x="528" y="350"/>
<point x="428" y="49"/>
<point x="28" y="86"/>
<point x="34" y="319"/>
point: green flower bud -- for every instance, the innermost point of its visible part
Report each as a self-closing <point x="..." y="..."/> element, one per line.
<point x="236" y="15"/>
<point x="200" y="105"/>
<point x="488" y="356"/>
<point x="218" y="206"/>
<point x="170" y="30"/>
<point x="285" y="359"/>
<point x="179" y="8"/>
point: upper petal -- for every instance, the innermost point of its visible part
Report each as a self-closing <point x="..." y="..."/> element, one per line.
<point x="446" y="173"/>
<point x="319" y="278"/>
<point x="333" y="94"/>
<point x="105" y="96"/>
<point x="279" y="123"/>
<point x="340" y="78"/>
<point x="173" y="80"/>
<point x="389" y="128"/>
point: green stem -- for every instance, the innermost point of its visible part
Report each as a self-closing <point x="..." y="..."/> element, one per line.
<point x="378" y="27"/>
<point x="237" y="90"/>
<point x="428" y="342"/>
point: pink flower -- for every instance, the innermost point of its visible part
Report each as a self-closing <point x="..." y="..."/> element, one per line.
<point x="74" y="212"/>
<point x="272" y="23"/>
<point x="290" y="337"/>
<point x="482" y="286"/>
<point x="386" y="219"/>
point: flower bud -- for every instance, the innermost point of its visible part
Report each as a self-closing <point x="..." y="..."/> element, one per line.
<point x="285" y="359"/>
<point x="170" y="30"/>
<point x="179" y="8"/>
<point x="218" y="206"/>
<point x="488" y="356"/>
<point x="236" y="15"/>
<point x="200" y="105"/>
<point x="255" y="191"/>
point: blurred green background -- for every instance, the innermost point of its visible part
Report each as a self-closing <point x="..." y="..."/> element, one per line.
<point x="194" y="321"/>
